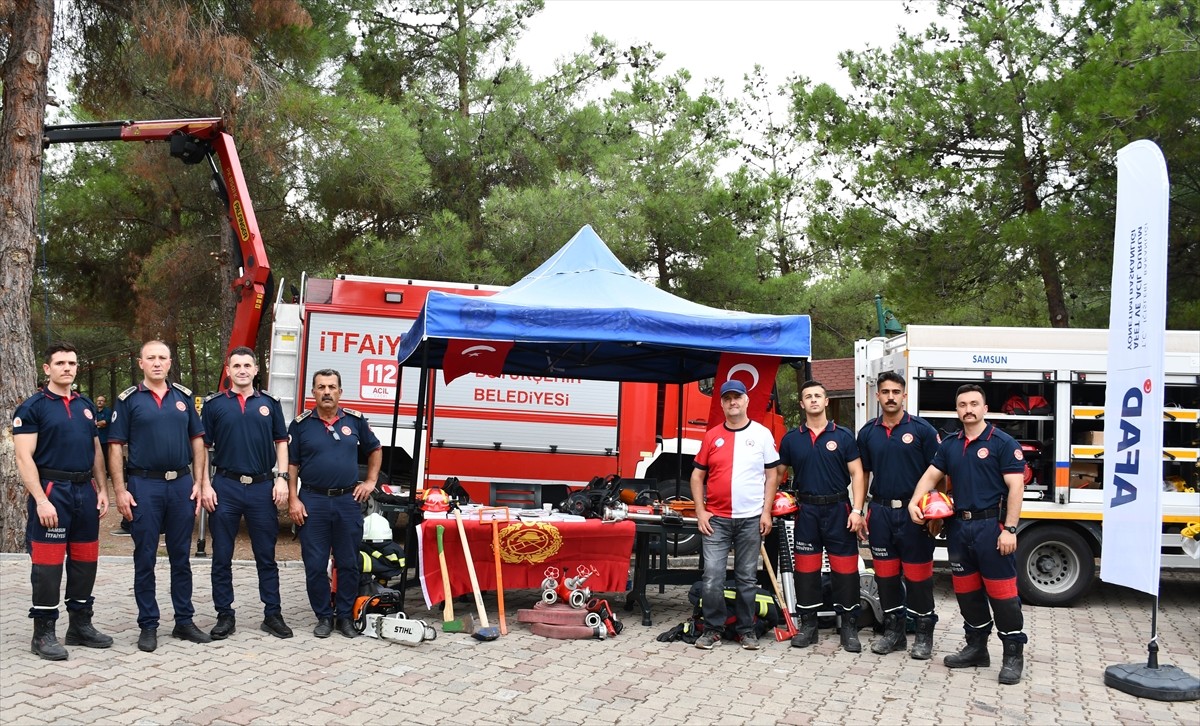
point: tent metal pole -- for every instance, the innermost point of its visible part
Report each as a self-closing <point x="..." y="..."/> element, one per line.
<point x="391" y="470"/>
<point x="679" y="434"/>
<point x="419" y="421"/>
<point x="410" y="526"/>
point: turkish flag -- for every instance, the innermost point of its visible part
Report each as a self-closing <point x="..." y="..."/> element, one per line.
<point x="757" y="372"/>
<point x="474" y="356"/>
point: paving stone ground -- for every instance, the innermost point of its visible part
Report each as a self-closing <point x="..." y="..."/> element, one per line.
<point x="252" y="678"/>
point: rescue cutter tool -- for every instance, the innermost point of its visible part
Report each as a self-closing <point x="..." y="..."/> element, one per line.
<point x="485" y="631"/>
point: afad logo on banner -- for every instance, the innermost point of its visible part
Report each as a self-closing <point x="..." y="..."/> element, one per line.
<point x="756" y="372"/>
<point x="474" y="356"/>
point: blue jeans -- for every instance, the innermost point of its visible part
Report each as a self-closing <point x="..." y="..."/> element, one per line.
<point x="254" y="502"/>
<point x="743" y="537"/>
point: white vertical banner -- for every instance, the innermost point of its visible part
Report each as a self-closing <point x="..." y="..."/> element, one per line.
<point x="1133" y="399"/>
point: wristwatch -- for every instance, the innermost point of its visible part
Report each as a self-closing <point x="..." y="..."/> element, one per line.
<point x="859" y="512"/>
<point x="282" y="475"/>
<point x="1010" y="530"/>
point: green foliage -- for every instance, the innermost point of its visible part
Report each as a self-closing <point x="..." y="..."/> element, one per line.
<point x="978" y="155"/>
<point x="968" y="177"/>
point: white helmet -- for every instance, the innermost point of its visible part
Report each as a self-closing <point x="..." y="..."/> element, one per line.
<point x="376" y="528"/>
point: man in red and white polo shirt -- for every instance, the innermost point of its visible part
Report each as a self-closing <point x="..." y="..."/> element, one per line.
<point x="735" y="476"/>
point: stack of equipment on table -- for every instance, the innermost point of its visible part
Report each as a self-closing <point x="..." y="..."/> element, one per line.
<point x="612" y="499"/>
<point x="766" y="615"/>
<point x="559" y="620"/>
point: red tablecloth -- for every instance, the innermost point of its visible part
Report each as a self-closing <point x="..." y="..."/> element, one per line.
<point x="527" y="550"/>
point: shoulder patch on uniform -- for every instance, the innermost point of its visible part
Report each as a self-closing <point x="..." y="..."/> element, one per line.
<point x="352" y="412"/>
<point x="126" y="393"/>
<point x="304" y="415"/>
<point x="184" y="389"/>
<point x="270" y="395"/>
<point x="211" y="396"/>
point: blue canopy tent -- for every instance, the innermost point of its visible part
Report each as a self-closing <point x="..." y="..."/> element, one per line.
<point x="582" y="314"/>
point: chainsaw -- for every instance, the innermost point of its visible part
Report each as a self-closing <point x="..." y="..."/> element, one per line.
<point x="379" y="616"/>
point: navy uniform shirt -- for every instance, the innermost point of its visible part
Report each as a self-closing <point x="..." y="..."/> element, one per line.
<point x="159" y="432"/>
<point x="65" y="427"/>
<point x="327" y="453"/>
<point x="103" y="415"/>
<point x="977" y="467"/>
<point x="243" y="431"/>
<point x="897" y="456"/>
<point x="819" y="467"/>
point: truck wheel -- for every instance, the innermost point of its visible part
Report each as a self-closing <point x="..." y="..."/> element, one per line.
<point x="1055" y="566"/>
<point x="679" y="544"/>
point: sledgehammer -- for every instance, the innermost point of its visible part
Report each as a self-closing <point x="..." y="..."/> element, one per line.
<point x="449" y="624"/>
<point x="485" y="631"/>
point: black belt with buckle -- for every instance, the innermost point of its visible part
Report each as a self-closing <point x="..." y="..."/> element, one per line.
<point x="164" y="475"/>
<point x="890" y="503"/>
<point x="993" y="513"/>
<point x="823" y="498"/>
<point x="75" y="477"/>
<point x="332" y="492"/>
<point x="243" y="478"/>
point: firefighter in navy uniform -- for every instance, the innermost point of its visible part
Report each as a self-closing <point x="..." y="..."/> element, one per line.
<point x="987" y="469"/>
<point x="832" y="492"/>
<point x="62" y="468"/>
<point x="896" y="449"/>
<point x="157" y="420"/>
<point x="323" y="447"/>
<point x="248" y="435"/>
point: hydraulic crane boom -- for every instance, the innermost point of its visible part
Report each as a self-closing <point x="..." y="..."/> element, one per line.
<point x="192" y="141"/>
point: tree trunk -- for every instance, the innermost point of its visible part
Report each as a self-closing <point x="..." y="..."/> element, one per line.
<point x="23" y="74"/>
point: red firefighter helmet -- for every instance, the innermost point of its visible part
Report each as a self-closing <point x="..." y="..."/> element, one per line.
<point x="784" y="503"/>
<point x="936" y="505"/>
<point x="435" y="499"/>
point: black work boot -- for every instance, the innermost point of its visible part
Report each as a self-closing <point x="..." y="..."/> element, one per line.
<point x="45" y="644"/>
<point x="893" y="638"/>
<point x="1013" y="663"/>
<point x="808" y="631"/>
<point x="974" y="654"/>
<point x="81" y="632"/>
<point x="849" y="633"/>
<point x="923" y="643"/>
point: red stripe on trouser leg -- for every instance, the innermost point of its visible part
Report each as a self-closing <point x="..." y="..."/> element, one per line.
<point x="44" y="553"/>
<point x="844" y="564"/>
<point x="886" y="568"/>
<point x="84" y="551"/>
<point x="807" y="563"/>
<point x="1001" y="589"/>
<point x="967" y="583"/>
<point x="918" y="571"/>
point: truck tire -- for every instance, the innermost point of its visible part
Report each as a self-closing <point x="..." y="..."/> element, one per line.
<point x="679" y="544"/>
<point x="1055" y="566"/>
